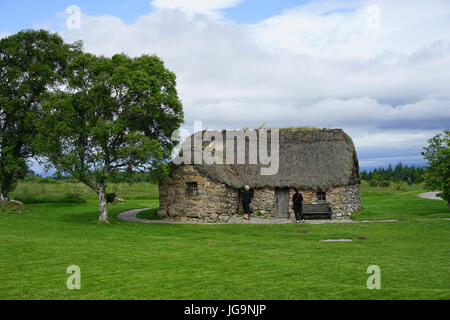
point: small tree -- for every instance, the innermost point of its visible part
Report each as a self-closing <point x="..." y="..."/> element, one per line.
<point x="113" y="115"/>
<point x="31" y="62"/>
<point x="437" y="175"/>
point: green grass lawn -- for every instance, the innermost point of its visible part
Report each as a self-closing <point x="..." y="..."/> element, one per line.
<point x="399" y="201"/>
<point x="150" y="214"/>
<point x="131" y="260"/>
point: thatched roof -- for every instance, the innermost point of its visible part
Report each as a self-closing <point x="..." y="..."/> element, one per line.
<point x="312" y="159"/>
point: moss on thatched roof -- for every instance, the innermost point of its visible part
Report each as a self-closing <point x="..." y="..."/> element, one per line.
<point x="309" y="158"/>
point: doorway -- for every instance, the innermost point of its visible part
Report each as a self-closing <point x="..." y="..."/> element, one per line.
<point x="282" y="202"/>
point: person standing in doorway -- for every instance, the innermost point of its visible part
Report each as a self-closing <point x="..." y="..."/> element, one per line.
<point x="297" y="199"/>
<point x="246" y="200"/>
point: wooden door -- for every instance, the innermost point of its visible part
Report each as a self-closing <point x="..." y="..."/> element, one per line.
<point x="282" y="202"/>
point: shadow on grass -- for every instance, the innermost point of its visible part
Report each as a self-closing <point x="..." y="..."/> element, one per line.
<point x="150" y="214"/>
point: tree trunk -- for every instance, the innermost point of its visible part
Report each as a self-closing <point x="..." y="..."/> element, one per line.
<point x="102" y="204"/>
<point x="3" y="197"/>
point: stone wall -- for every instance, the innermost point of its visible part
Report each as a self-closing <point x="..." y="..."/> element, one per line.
<point x="263" y="202"/>
<point x="218" y="202"/>
<point x="335" y="198"/>
<point x="343" y="200"/>
<point x="351" y="202"/>
<point x="214" y="202"/>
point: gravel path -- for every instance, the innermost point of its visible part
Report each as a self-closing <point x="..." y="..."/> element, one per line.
<point x="131" y="216"/>
<point x="430" y="195"/>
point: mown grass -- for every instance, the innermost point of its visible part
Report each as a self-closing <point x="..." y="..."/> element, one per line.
<point x="398" y="201"/>
<point x="131" y="260"/>
<point x="150" y="214"/>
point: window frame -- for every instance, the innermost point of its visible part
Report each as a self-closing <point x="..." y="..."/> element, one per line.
<point x="191" y="189"/>
<point x="321" y="196"/>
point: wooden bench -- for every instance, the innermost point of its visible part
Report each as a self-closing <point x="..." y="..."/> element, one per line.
<point x="316" y="211"/>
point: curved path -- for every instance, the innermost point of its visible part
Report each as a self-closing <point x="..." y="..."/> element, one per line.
<point x="130" y="215"/>
<point x="430" y="195"/>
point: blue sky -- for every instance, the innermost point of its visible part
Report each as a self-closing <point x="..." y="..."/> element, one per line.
<point x="16" y="15"/>
<point x="251" y="11"/>
<point x="23" y="14"/>
<point x="376" y="68"/>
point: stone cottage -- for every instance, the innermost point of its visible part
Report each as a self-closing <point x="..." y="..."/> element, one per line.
<point x="322" y="163"/>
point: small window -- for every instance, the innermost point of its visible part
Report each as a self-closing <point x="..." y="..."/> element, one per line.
<point x="321" y="197"/>
<point x="191" y="189"/>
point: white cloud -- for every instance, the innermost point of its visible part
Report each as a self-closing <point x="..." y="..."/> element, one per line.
<point x="343" y="29"/>
<point x="315" y="65"/>
<point x="392" y="139"/>
<point x="375" y="162"/>
<point x="196" y="6"/>
<point x="4" y="34"/>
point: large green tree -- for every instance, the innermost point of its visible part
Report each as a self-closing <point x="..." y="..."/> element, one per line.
<point x="113" y="115"/>
<point x="437" y="153"/>
<point x="31" y="62"/>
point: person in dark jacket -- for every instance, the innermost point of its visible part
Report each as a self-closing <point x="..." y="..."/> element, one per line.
<point x="297" y="199"/>
<point x="247" y="196"/>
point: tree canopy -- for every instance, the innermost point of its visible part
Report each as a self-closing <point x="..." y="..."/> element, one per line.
<point x="112" y="115"/>
<point x="438" y="155"/>
<point x="31" y="63"/>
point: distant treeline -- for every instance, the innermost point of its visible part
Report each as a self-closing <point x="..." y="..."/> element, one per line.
<point x="410" y="174"/>
<point x="398" y="173"/>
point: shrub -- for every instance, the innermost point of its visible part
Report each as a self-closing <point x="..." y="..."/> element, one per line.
<point x="384" y="184"/>
<point x="110" y="197"/>
<point x="373" y="183"/>
<point x="32" y="179"/>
